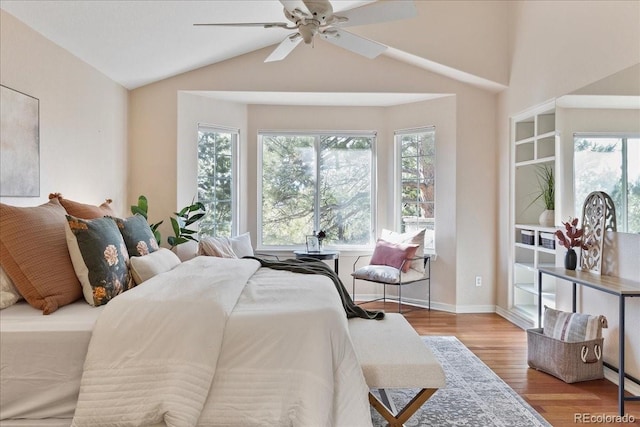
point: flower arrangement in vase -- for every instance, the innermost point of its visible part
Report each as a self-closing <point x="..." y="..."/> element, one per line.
<point x="571" y="238"/>
<point x="321" y="236"/>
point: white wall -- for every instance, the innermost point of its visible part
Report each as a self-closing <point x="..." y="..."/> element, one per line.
<point x="83" y="118"/>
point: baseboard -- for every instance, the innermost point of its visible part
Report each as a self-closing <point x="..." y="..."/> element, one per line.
<point x="435" y="305"/>
<point x="629" y="386"/>
<point x="519" y="321"/>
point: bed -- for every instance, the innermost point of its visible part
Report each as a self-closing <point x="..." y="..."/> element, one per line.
<point x="212" y="342"/>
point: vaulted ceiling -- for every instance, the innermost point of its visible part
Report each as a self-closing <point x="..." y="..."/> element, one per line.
<point x="137" y="42"/>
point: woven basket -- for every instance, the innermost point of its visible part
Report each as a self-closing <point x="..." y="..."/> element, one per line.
<point x="570" y="361"/>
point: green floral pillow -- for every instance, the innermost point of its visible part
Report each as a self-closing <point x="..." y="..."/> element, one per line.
<point x="137" y="235"/>
<point x="100" y="259"/>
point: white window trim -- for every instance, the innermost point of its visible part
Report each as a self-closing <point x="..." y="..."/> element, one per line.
<point x="397" y="217"/>
<point x="235" y="164"/>
<point x="374" y="199"/>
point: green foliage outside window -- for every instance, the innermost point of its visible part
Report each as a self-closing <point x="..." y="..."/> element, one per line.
<point x="313" y="182"/>
<point x="215" y="181"/>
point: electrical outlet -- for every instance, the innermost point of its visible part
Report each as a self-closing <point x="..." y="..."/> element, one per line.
<point x="478" y="280"/>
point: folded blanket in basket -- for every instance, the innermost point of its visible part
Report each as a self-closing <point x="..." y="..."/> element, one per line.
<point x="572" y="327"/>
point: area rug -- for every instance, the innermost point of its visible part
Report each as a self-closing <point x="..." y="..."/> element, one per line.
<point x="473" y="396"/>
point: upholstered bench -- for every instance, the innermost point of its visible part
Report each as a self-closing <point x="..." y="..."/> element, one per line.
<point x="393" y="355"/>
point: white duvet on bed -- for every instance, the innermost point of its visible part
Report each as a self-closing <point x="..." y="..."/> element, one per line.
<point x="223" y="342"/>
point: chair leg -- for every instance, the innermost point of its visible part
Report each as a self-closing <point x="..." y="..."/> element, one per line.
<point x="400" y="298"/>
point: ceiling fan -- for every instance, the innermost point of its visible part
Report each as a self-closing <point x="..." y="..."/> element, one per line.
<point x="315" y="17"/>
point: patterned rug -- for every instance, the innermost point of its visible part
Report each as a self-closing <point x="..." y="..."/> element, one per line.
<point x="474" y="394"/>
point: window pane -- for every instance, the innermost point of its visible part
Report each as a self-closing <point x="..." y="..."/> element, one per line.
<point x="633" y="177"/>
<point x="345" y="189"/>
<point x="288" y="189"/>
<point x="602" y="164"/>
<point x="215" y="180"/>
<point x="417" y="186"/>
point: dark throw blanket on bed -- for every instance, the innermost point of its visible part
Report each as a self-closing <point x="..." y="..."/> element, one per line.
<point x="314" y="266"/>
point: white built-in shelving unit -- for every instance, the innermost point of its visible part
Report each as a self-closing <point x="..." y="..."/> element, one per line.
<point x="534" y="144"/>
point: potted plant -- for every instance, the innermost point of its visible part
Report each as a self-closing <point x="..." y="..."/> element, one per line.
<point x="571" y="238"/>
<point x="546" y="192"/>
<point x="183" y="219"/>
<point x="142" y="208"/>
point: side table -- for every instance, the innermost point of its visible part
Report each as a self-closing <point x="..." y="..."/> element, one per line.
<point x="322" y="255"/>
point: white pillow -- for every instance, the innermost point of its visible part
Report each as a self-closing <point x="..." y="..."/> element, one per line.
<point x="226" y="247"/>
<point x="241" y="245"/>
<point x="216" y="246"/>
<point x="415" y="237"/>
<point x="9" y="295"/>
<point x="145" y="267"/>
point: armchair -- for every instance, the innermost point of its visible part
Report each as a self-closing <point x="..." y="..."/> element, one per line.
<point x="394" y="264"/>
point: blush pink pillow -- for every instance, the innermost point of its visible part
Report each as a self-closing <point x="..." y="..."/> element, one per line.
<point x="392" y="254"/>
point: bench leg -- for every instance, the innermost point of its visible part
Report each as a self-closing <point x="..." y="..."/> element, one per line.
<point x="397" y="420"/>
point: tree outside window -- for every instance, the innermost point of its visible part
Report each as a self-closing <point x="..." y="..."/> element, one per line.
<point x="312" y="182"/>
<point x="610" y="164"/>
<point x="417" y="181"/>
<point x="216" y="180"/>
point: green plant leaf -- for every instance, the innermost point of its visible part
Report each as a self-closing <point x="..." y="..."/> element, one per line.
<point x="175" y="226"/>
<point x="196" y="217"/>
<point x="137" y="210"/>
<point x="143" y="204"/>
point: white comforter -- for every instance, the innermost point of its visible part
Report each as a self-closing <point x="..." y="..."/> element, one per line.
<point x="222" y="342"/>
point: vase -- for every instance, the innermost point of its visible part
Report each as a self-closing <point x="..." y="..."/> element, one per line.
<point x="570" y="259"/>
<point x="547" y="218"/>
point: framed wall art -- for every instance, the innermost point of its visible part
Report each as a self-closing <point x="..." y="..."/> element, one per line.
<point x="19" y="144"/>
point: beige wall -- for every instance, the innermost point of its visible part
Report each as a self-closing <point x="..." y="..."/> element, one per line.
<point x="465" y="35"/>
<point x="553" y="55"/>
<point x="557" y="48"/>
<point x="325" y="68"/>
<point x="83" y="118"/>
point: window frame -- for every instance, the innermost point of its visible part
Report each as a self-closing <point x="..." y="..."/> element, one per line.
<point x="397" y="135"/>
<point x="623" y="223"/>
<point x="235" y="163"/>
<point x="317" y="134"/>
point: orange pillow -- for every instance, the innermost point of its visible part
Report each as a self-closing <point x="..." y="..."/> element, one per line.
<point x="34" y="254"/>
<point x="83" y="210"/>
<point x="393" y="254"/>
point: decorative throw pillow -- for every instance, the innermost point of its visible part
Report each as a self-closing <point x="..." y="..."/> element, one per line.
<point x="216" y="246"/>
<point x="9" y="295"/>
<point x="145" y="267"/>
<point x="33" y="253"/>
<point x="82" y="210"/>
<point x="99" y="257"/>
<point x="413" y="237"/>
<point x="137" y="235"/>
<point x="226" y="247"/>
<point x="241" y="245"/>
<point x="393" y="254"/>
<point x="572" y="327"/>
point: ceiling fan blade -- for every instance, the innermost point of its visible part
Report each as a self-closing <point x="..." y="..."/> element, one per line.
<point x="354" y="43"/>
<point x="247" y="24"/>
<point x="292" y="5"/>
<point x="380" y="11"/>
<point x="284" y="48"/>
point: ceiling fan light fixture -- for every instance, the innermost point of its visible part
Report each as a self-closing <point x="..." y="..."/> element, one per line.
<point x="307" y="31"/>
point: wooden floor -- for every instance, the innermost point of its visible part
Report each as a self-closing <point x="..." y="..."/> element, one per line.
<point x="503" y="347"/>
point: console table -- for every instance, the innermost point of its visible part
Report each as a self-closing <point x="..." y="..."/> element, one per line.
<point x="622" y="288"/>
